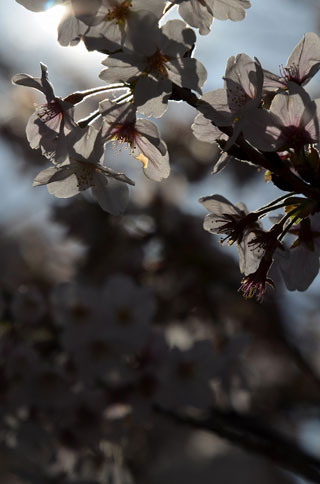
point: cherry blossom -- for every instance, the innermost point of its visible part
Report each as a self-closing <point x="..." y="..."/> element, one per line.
<point x="152" y="59"/>
<point x="241" y="97"/>
<point x="292" y="122"/>
<point x="128" y="312"/>
<point x="84" y="169"/>
<point x="204" y="130"/>
<point x="103" y="24"/>
<point x="141" y="136"/>
<point x="255" y="283"/>
<point x="200" y="13"/>
<point x="226" y="218"/>
<point x="302" y="65"/>
<point x="48" y="127"/>
<point x="184" y="377"/>
<point x="255" y="114"/>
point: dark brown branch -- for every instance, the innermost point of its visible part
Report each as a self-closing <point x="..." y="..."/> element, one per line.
<point x="251" y="435"/>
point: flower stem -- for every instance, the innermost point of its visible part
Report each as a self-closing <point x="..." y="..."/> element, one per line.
<point x="278" y="200"/>
<point x="78" y="96"/>
<point x="85" y="121"/>
<point x="122" y="98"/>
<point x="267" y="209"/>
<point x="295" y="218"/>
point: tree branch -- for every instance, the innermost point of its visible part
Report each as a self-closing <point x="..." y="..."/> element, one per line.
<point x="251" y="435"/>
<point x="269" y="161"/>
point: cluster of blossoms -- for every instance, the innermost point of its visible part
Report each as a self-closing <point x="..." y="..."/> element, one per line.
<point x="274" y="117"/>
<point x="259" y="117"/>
<point x="83" y="361"/>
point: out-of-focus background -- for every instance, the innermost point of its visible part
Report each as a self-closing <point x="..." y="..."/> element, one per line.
<point x="75" y="404"/>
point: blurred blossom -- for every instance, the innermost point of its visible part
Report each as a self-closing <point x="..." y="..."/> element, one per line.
<point x="73" y="306"/>
<point x="128" y="311"/>
<point x="28" y="305"/>
<point x="184" y="377"/>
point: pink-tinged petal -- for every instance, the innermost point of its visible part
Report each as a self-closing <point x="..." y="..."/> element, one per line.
<point x="155" y="156"/>
<point x="304" y="61"/>
<point x="245" y="73"/>
<point x="249" y="255"/>
<point x="310" y="124"/>
<point x="298" y="115"/>
<point x="213" y="223"/>
<point x="288" y="108"/>
<point x="144" y="36"/>
<point x="187" y="72"/>
<point x="300" y="268"/>
<point x="111" y="194"/>
<point x="219" y="205"/>
<point x="177" y="39"/>
<point x="40" y="83"/>
<point x="65" y="188"/>
<point x="86" y="144"/>
<point x="70" y="30"/>
<point x="56" y="149"/>
<point x="242" y="207"/>
<point x="53" y="143"/>
<point x="155" y="165"/>
<point x="121" y="69"/>
<point x="115" y="114"/>
<point x="33" y="132"/>
<point x="62" y="182"/>
<point x="204" y="130"/>
<point x="28" y="81"/>
<point x="151" y="96"/>
<point x="197" y="15"/>
<point x="106" y="37"/>
<point x="155" y="6"/>
<point x="157" y="168"/>
<point x="272" y="81"/>
<point x="148" y="130"/>
<point x="214" y="105"/>
<point x="229" y="9"/>
<point x="263" y="129"/>
<point x="51" y="115"/>
<point x="44" y="176"/>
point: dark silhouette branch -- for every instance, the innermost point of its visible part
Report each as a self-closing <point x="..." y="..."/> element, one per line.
<point x="249" y="434"/>
<point x="243" y="150"/>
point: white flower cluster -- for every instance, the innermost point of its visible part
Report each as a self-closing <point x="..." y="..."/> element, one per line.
<point x="265" y="119"/>
<point x="144" y="59"/>
<point x="274" y="114"/>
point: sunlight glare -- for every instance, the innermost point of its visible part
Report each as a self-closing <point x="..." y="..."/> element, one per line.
<point x="48" y="21"/>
